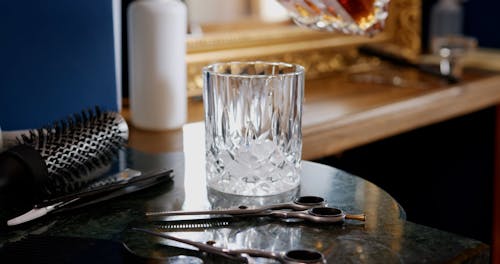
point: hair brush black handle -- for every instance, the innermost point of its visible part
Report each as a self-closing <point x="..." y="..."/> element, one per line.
<point x="60" y="159"/>
<point x="22" y="174"/>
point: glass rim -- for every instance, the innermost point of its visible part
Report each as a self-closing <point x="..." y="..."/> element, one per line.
<point x="299" y="69"/>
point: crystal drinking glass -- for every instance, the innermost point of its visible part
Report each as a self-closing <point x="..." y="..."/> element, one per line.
<point x="253" y="113"/>
<point x="357" y="17"/>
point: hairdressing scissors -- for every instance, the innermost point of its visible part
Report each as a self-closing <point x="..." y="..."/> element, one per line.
<point x="300" y="256"/>
<point x="299" y="204"/>
<point x="324" y="215"/>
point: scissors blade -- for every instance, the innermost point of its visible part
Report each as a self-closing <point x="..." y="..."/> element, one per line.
<point x="37" y="212"/>
<point x="129" y="177"/>
<point x="202" y="212"/>
<point x="150" y="180"/>
<point x="299" y="204"/>
<point x="125" y="190"/>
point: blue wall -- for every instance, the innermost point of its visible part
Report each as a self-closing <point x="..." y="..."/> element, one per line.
<point x="56" y="58"/>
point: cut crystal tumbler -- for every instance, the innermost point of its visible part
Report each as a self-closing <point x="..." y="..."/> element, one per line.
<point x="253" y="114"/>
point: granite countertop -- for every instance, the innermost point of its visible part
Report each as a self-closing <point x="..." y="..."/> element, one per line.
<point x="385" y="237"/>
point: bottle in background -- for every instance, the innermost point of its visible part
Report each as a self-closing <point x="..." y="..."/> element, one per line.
<point x="446" y="37"/>
<point x="446" y="19"/>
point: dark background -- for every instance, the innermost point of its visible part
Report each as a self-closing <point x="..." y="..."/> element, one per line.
<point x="442" y="175"/>
<point x="481" y="20"/>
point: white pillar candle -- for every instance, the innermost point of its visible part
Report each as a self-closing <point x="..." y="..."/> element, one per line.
<point x="157" y="64"/>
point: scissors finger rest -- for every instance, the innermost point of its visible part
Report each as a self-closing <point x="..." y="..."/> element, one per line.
<point x="317" y="215"/>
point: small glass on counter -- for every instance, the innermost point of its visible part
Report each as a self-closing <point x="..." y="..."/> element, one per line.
<point x="253" y="121"/>
<point x="452" y="50"/>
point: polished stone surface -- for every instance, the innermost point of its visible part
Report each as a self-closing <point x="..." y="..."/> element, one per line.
<point x="385" y="237"/>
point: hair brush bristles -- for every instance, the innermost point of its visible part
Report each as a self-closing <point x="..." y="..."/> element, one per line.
<point x="76" y="149"/>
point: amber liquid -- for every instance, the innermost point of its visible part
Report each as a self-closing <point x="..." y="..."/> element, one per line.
<point x="364" y="14"/>
<point x="360" y="10"/>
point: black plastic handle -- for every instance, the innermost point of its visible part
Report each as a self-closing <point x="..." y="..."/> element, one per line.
<point x="22" y="174"/>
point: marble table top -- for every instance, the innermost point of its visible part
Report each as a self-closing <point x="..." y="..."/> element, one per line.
<point x="385" y="236"/>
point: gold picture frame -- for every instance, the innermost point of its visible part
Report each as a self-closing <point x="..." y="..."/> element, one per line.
<point x="320" y="53"/>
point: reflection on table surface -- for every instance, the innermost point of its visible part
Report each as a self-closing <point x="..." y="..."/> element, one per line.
<point x="341" y="190"/>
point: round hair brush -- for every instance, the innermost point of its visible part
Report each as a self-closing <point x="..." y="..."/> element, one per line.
<point x="60" y="159"/>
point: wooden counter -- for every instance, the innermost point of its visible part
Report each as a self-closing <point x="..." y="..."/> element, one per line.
<point x="345" y="111"/>
<point x="339" y="116"/>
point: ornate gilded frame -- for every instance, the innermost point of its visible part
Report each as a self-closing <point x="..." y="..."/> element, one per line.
<point x="319" y="52"/>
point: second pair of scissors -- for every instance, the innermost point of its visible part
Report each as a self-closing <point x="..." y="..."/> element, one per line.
<point x="307" y="208"/>
<point x="299" y="204"/>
